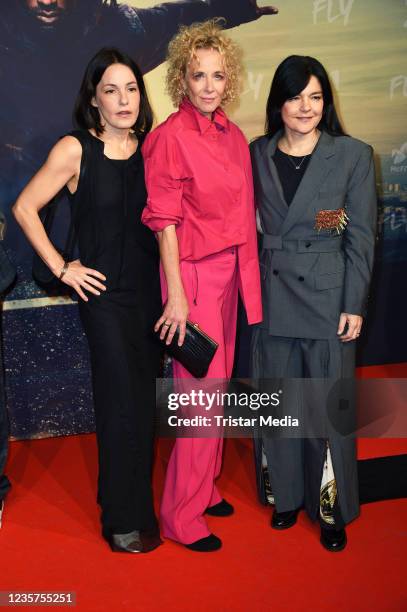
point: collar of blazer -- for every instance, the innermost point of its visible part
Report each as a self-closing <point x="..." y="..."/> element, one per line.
<point x="320" y="165"/>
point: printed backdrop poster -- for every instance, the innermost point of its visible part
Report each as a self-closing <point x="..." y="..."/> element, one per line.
<point x="361" y="43"/>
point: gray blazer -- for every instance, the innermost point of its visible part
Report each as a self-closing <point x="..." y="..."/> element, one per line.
<point x="310" y="276"/>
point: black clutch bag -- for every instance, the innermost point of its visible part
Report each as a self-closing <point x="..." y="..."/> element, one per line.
<point x="197" y="351"/>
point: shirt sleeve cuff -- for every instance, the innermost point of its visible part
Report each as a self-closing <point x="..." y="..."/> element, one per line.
<point x="157" y="224"/>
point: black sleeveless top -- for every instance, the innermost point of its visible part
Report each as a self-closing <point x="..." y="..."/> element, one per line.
<point x="107" y="205"/>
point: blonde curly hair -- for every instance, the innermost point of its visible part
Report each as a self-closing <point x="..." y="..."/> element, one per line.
<point x="182" y="51"/>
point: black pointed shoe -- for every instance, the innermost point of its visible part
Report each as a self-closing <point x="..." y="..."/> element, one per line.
<point x="208" y="544"/>
<point x="333" y="540"/>
<point x="133" y="542"/>
<point x="284" y="520"/>
<point x="223" y="508"/>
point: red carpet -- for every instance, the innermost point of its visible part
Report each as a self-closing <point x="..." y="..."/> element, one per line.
<point x="50" y="542"/>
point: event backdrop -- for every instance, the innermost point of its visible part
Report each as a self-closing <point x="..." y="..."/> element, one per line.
<point x="361" y="43"/>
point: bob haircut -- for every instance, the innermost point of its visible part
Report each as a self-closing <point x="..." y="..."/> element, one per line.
<point x="87" y="116"/>
<point x="291" y="77"/>
<point x="182" y="51"/>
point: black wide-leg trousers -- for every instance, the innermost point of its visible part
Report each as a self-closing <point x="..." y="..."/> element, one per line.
<point x="125" y="362"/>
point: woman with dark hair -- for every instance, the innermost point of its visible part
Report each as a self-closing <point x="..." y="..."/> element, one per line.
<point x="316" y="200"/>
<point x="116" y="278"/>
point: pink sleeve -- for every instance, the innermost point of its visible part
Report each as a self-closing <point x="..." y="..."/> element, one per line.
<point x="163" y="181"/>
<point x="249" y="273"/>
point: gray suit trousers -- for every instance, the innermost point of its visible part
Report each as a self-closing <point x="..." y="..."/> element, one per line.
<point x="295" y="465"/>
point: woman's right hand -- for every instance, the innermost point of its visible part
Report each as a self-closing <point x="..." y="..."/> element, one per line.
<point x="174" y="316"/>
<point x="79" y="277"/>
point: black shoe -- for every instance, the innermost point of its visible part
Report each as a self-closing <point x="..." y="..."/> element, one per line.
<point x="284" y="520"/>
<point x="150" y="539"/>
<point x="133" y="542"/>
<point x="208" y="544"/>
<point x="333" y="540"/>
<point x="223" y="508"/>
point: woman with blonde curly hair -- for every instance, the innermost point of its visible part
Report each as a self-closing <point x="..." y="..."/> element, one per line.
<point x="200" y="204"/>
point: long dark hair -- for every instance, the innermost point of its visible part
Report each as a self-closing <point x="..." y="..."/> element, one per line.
<point x="291" y="77"/>
<point x="87" y="116"/>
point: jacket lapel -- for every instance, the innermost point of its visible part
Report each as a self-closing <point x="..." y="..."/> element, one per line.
<point x="270" y="149"/>
<point x="316" y="173"/>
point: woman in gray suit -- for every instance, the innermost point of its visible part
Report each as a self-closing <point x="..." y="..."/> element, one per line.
<point x="315" y="193"/>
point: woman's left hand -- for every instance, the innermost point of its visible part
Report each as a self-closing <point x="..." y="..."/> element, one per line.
<point x="264" y="10"/>
<point x="354" y="323"/>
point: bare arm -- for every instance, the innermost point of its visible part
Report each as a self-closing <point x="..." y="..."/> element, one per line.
<point x="61" y="168"/>
<point x="176" y="309"/>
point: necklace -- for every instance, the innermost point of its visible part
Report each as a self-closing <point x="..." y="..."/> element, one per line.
<point x="297" y="165"/>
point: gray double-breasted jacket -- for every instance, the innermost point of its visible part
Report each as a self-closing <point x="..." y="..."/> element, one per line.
<point x="310" y="275"/>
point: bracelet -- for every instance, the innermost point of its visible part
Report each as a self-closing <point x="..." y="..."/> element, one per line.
<point x="64" y="269"/>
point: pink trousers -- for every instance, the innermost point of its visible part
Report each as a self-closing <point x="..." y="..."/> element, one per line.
<point x="211" y="288"/>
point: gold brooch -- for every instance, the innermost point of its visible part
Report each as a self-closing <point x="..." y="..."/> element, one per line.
<point x="331" y="220"/>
